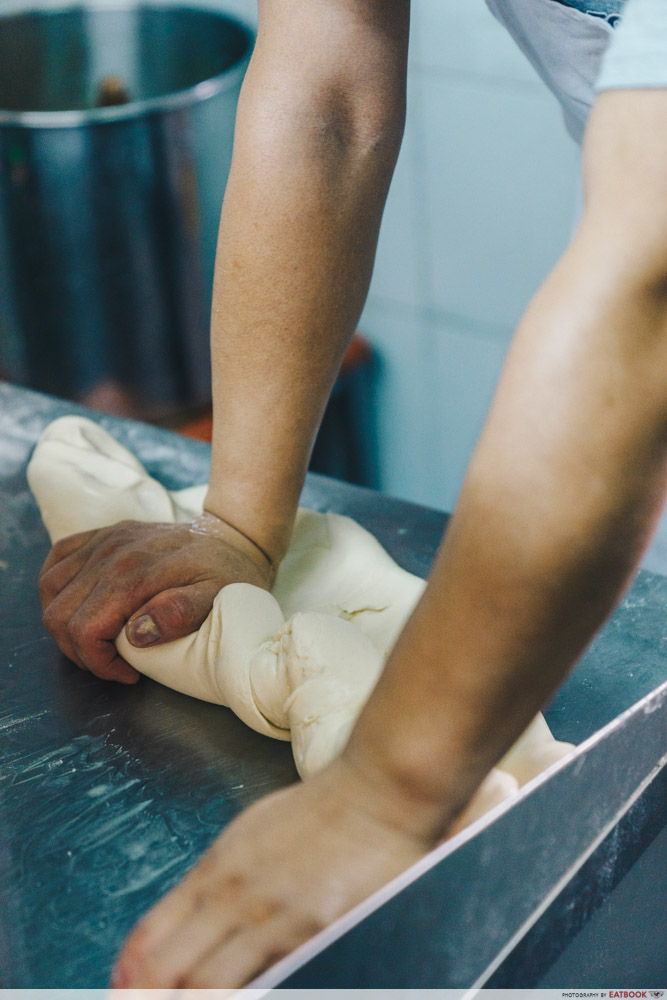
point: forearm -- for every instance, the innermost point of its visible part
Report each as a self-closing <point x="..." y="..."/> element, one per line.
<point x="313" y="158"/>
<point x="557" y="507"/>
<point x="560" y="499"/>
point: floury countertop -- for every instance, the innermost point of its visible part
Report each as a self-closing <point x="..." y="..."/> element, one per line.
<point x="109" y="794"/>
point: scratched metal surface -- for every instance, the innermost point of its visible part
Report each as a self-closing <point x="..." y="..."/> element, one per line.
<point x="109" y="794"/>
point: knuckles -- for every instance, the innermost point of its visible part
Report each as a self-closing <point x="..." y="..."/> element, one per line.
<point x="65" y="546"/>
<point x="118" y="537"/>
<point x="83" y="632"/>
<point x="52" y="620"/>
<point x="47" y="586"/>
<point x="127" y="562"/>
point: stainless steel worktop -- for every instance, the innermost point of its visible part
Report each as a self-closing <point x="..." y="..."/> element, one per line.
<point x="109" y="794"/>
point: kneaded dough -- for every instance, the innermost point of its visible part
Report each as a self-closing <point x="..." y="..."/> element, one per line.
<point x="298" y="663"/>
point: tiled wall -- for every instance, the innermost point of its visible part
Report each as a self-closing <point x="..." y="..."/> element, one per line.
<point x="481" y="206"/>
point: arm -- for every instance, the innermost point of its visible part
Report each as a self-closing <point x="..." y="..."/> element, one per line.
<point x="558" y="504"/>
<point x="318" y="130"/>
<point x="563" y="491"/>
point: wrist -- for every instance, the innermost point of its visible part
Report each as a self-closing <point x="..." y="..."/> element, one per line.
<point x="256" y="511"/>
<point x="397" y="800"/>
<point x="428" y="760"/>
<point x="209" y="523"/>
<point x="268" y="528"/>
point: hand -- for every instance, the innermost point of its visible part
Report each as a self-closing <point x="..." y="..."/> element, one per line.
<point x="160" y="579"/>
<point x="282" y="871"/>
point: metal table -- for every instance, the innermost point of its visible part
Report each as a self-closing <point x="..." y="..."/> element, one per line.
<point x="109" y="794"/>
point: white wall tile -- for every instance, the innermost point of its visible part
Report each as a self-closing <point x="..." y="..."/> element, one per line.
<point x="655" y="558"/>
<point x="436" y="379"/>
<point x="468" y="360"/>
<point x="462" y="36"/>
<point x="415" y="49"/>
<point x="407" y="437"/>
<point x="402" y="255"/>
<point x="246" y="10"/>
<point x="501" y="181"/>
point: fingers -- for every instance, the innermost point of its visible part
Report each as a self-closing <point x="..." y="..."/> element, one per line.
<point x="65" y="560"/>
<point x="89" y="586"/>
<point x="250" y="951"/>
<point x="175" y="936"/>
<point x="65" y="547"/>
<point x="280" y="873"/>
<point x="71" y="557"/>
<point x="118" y="669"/>
<point x="172" y="613"/>
<point x="161" y="578"/>
<point x="87" y="635"/>
<point x="206" y="940"/>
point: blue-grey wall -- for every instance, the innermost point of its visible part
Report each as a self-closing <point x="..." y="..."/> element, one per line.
<point x="481" y="206"/>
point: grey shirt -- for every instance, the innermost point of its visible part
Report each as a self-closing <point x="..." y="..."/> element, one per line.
<point x="637" y="54"/>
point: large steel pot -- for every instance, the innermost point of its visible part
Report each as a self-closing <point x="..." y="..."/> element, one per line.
<point x="116" y="127"/>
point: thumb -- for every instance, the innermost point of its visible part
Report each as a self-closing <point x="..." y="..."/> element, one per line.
<point x="172" y="614"/>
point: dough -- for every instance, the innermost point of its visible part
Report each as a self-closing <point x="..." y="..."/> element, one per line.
<point x="496" y="787"/>
<point x="298" y="663"/>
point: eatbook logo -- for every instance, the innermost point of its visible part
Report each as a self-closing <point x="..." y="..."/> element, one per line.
<point x="633" y="994"/>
